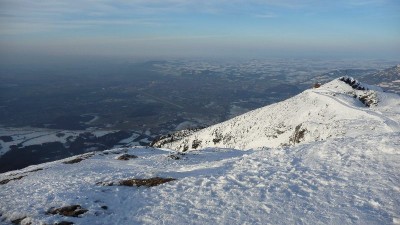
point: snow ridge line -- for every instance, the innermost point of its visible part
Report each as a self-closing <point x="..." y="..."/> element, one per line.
<point x="393" y="125"/>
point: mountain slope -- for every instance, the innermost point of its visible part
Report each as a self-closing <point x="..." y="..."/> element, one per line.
<point x="326" y="156"/>
<point x="336" y="109"/>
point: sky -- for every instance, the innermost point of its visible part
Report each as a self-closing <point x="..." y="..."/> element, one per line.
<point x="200" y="28"/>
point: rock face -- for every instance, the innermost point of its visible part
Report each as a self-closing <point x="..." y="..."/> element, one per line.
<point x="332" y="110"/>
<point x="355" y="84"/>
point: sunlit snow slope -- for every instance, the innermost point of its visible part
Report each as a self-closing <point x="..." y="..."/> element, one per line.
<point x="333" y="110"/>
<point x="338" y="181"/>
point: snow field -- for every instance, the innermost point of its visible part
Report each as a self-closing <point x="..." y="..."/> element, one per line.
<point x="344" y="180"/>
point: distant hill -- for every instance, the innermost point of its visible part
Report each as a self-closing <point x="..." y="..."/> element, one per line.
<point x="388" y="79"/>
<point x="356" y="73"/>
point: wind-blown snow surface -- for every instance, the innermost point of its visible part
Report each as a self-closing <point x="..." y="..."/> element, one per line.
<point x="345" y="170"/>
<point x="333" y="110"/>
<point x="339" y="181"/>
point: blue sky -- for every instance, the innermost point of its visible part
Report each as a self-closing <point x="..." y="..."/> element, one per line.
<point x="192" y="28"/>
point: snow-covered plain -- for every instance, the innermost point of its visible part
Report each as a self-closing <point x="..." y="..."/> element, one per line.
<point x="32" y="136"/>
<point x="28" y="136"/>
<point x="35" y="136"/>
<point x="350" y="175"/>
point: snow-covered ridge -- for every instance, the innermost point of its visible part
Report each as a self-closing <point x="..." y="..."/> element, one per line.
<point x="335" y="109"/>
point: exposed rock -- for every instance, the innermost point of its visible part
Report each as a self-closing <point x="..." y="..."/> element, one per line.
<point x="165" y="139"/>
<point x="298" y="134"/>
<point x="196" y="144"/>
<point x="317" y="85"/>
<point x="25" y="173"/>
<point x="8" y="180"/>
<point x="217" y="136"/>
<point x="76" y="160"/>
<point x="79" y="159"/>
<point x="216" y="140"/>
<point x="151" y="182"/>
<point x="18" y="221"/>
<point x="35" y="170"/>
<point x="176" y="156"/>
<point x="64" y="223"/>
<point x="73" y="211"/>
<point x="355" y="84"/>
<point x="369" y="98"/>
<point x="126" y="157"/>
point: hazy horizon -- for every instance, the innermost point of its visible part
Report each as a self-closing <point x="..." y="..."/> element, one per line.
<point x="179" y="28"/>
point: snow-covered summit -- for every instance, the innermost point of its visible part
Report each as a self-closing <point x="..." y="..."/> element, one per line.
<point x="342" y="107"/>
